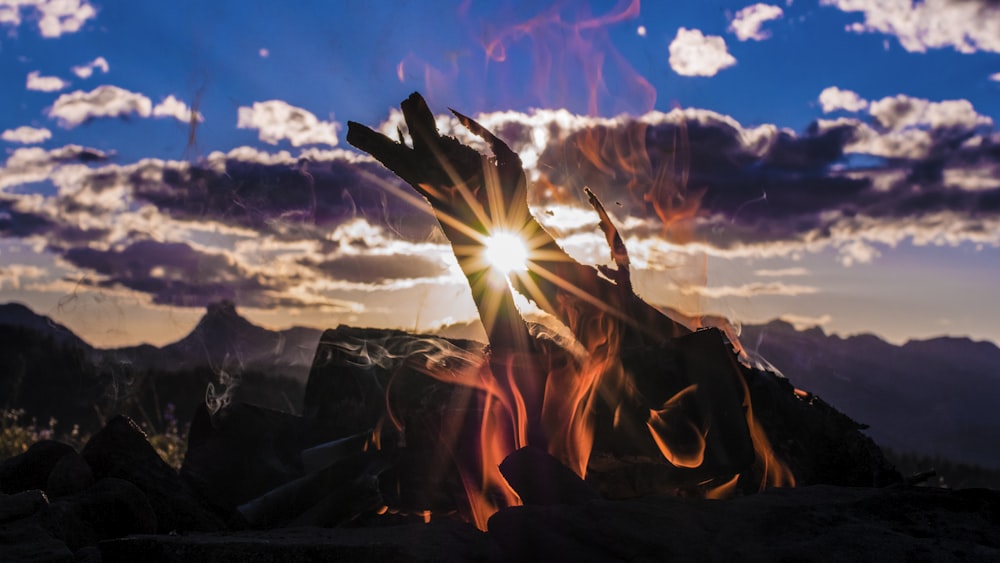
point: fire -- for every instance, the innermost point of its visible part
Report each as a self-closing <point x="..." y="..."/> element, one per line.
<point x="565" y="393"/>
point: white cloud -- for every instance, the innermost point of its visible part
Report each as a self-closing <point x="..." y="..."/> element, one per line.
<point x="12" y="274"/>
<point x="264" y="53"/>
<point x="900" y="111"/>
<point x="104" y="101"/>
<point x="783" y="272"/>
<point x="748" y="290"/>
<point x="967" y="25"/>
<point x="277" y="120"/>
<point x="172" y="107"/>
<point x="833" y="99"/>
<point x="802" y="322"/>
<point x="695" y="54"/>
<point x="41" y="83"/>
<point x="55" y="17"/>
<point x="27" y="135"/>
<point x="995" y="77"/>
<point x="34" y="164"/>
<point x="747" y="22"/>
<point x="87" y="70"/>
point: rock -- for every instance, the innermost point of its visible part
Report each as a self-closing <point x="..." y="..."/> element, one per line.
<point x="540" y="478"/>
<point x="112" y="508"/>
<point x="31" y="469"/>
<point x="121" y="450"/>
<point x="71" y="474"/>
<point x="27" y="540"/>
<point x="21" y="504"/>
<point x="23" y="536"/>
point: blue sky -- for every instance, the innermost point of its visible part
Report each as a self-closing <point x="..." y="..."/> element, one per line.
<point x="845" y="156"/>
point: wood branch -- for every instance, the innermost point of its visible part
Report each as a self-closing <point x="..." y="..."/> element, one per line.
<point x="471" y="193"/>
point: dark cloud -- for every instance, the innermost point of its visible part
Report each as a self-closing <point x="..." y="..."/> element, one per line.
<point x="287" y="199"/>
<point x="377" y="269"/>
<point x="757" y="185"/>
<point x="174" y="274"/>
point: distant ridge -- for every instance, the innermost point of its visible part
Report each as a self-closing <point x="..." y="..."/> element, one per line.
<point x="19" y="315"/>
<point x="930" y="397"/>
<point x="934" y="397"/>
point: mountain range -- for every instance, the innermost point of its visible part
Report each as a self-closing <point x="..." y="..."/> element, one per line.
<point x="932" y="397"/>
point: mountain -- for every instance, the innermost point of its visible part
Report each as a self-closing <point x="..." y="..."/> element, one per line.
<point x="18" y="315"/>
<point x="224" y="340"/>
<point x="934" y="397"/>
<point x="50" y="372"/>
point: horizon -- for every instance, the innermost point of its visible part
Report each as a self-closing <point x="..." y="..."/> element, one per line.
<point x="825" y="164"/>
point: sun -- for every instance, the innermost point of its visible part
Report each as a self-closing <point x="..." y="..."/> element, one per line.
<point x="506" y="252"/>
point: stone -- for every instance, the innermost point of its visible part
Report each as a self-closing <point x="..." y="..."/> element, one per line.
<point x="112" y="508"/>
<point x="71" y="474"/>
<point x="121" y="450"/>
<point x="21" y="504"/>
<point x="31" y="469"/>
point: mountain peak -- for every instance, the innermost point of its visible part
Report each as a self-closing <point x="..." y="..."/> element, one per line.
<point x="225" y="308"/>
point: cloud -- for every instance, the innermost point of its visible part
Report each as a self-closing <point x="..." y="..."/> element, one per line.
<point x="55" y="17"/>
<point x="967" y="26"/>
<point x="104" y="101"/>
<point x="802" y="322"/>
<point x="995" y="77"/>
<point x="748" y="290"/>
<point x="41" y="83"/>
<point x="833" y="99"/>
<point x="87" y="70"/>
<point x="695" y="54"/>
<point x="11" y="275"/>
<point x="783" y="272"/>
<point x="277" y="120"/>
<point x="27" y="135"/>
<point x="747" y="22"/>
<point x="33" y="164"/>
<point x="172" y="107"/>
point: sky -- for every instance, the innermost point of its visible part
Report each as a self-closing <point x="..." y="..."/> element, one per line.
<point x="832" y="163"/>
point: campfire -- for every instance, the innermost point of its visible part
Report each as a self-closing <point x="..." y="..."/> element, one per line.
<point x="582" y="391"/>
<point x="584" y="395"/>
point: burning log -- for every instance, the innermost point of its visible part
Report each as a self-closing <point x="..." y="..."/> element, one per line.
<point x="684" y="410"/>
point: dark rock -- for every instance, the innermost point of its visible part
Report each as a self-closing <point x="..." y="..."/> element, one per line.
<point x="820" y="523"/>
<point x="112" y="508"/>
<point x="21" y="504"/>
<point x="243" y="451"/>
<point x="437" y="541"/>
<point x="27" y="540"/>
<point x="70" y="475"/>
<point x="121" y="450"/>
<point x="539" y="478"/>
<point x="31" y="469"/>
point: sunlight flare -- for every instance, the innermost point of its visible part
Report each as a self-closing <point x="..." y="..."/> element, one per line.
<point x="506" y="252"/>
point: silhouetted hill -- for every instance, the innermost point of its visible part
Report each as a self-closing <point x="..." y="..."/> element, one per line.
<point x="18" y="315"/>
<point x="933" y="397"/>
<point x="48" y="371"/>
<point x="226" y="341"/>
